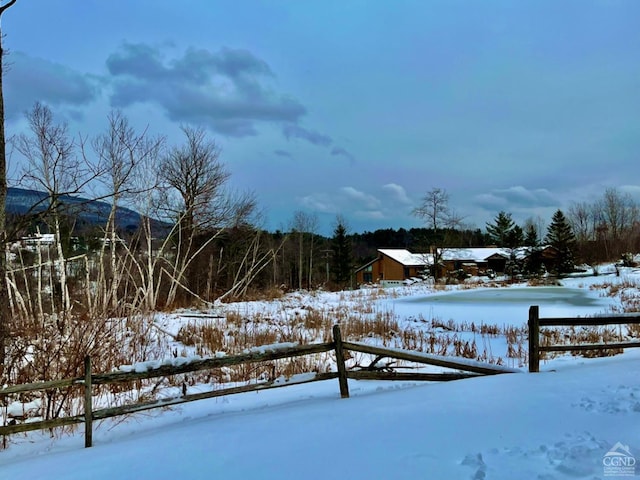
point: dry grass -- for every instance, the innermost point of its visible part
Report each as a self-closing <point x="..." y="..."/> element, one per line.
<point x="134" y="338"/>
<point x="584" y="335"/>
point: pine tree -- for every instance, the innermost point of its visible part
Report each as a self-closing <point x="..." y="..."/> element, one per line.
<point x="500" y="230"/>
<point x="515" y="237"/>
<point x="342" y="256"/>
<point x="531" y="236"/>
<point x="560" y="236"/>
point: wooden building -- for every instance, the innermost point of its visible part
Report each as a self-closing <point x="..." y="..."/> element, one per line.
<point x="395" y="266"/>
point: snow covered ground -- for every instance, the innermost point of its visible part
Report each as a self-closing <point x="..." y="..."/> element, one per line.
<point x="578" y="418"/>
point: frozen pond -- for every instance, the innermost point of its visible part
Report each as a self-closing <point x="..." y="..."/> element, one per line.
<point x="502" y="305"/>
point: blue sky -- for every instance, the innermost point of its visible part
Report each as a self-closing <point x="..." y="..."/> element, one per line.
<point x="356" y="107"/>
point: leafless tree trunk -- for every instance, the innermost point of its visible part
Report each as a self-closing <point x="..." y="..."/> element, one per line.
<point x="4" y="295"/>
<point x="121" y="153"/>
<point x="312" y="230"/>
<point x="147" y="198"/>
<point x="53" y="168"/>
<point x="304" y="224"/>
<point x="254" y="261"/>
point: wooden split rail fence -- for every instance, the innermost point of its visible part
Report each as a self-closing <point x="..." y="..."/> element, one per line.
<point x="465" y="369"/>
<point x="535" y="322"/>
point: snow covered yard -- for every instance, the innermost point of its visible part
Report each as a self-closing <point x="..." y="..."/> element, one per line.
<point x="553" y="425"/>
<point x="558" y="424"/>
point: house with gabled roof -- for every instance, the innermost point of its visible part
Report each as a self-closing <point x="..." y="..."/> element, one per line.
<point x="393" y="265"/>
<point x="396" y="265"/>
<point x="474" y="261"/>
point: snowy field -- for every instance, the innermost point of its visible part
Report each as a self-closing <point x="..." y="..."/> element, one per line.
<point x="578" y="418"/>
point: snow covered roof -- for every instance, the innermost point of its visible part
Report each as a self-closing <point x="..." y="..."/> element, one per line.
<point x="478" y="254"/>
<point x="405" y="257"/>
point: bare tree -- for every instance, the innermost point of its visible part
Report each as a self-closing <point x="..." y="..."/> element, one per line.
<point x="619" y="213"/>
<point x="122" y="152"/>
<point x="304" y="225"/>
<point x="435" y="212"/>
<point x="52" y="167"/>
<point x="50" y="152"/>
<point x="581" y="218"/>
<point x="4" y="313"/>
<point x="198" y="201"/>
<point x="434" y="209"/>
<point x="312" y="228"/>
<point x="147" y="199"/>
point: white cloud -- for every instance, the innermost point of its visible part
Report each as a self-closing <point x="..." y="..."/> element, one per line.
<point x="319" y="202"/>
<point x="398" y="193"/>
<point x="368" y="201"/>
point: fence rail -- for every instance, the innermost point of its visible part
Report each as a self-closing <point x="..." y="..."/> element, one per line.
<point x="535" y="322"/>
<point x="89" y="379"/>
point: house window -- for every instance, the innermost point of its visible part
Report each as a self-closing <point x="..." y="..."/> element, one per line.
<point x="367" y="274"/>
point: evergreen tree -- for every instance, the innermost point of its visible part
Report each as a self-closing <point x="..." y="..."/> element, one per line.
<point x="515" y="237"/>
<point x="342" y="256"/>
<point x="500" y="229"/>
<point x="531" y="236"/>
<point x="560" y="236"/>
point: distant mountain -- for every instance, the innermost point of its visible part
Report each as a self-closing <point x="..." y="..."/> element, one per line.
<point x="88" y="212"/>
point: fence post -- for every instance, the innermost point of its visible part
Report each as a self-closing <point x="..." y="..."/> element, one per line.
<point x="342" y="370"/>
<point x="534" y="338"/>
<point x="88" y="404"/>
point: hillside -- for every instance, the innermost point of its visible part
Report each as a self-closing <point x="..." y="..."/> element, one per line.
<point x="88" y="212"/>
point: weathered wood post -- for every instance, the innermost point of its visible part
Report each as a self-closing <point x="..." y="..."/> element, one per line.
<point x="88" y="404"/>
<point x="342" y="369"/>
<point x="534" y="338"/>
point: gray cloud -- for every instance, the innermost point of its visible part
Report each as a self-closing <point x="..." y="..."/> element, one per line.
<point x="516" y="198"/>
<point x="227" y="90"/>
<point x="283" y="153"/>
<point x="294" y="131"/>
<point x="29" y="79"/>
<point x="339" y="151"/>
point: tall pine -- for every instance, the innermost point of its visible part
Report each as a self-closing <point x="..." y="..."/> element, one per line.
<point x="342" y="256"/>
<point x="533" y="264"/>
<point x="501" y="230"/>
<point x="560" y="236"/>
<point x="531" y="235"/>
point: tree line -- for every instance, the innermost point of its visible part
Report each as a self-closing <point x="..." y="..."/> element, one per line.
<point x="607" y="229"/>
<point x="214" y="248"/>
